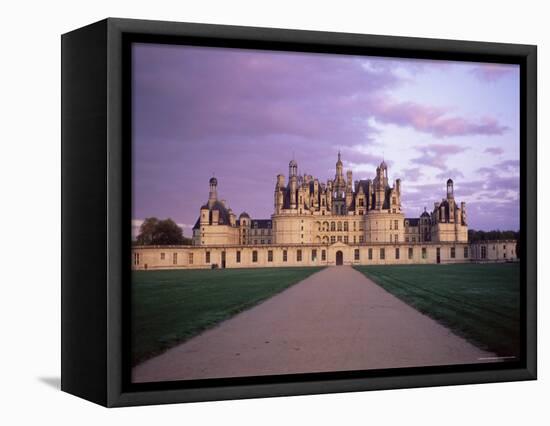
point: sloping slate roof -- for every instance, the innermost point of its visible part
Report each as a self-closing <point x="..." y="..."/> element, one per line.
<point x="413" y="221"/>
<point x="261" y="223"/>
<point x="224" y="213"/>
<point x="224" y="217"/>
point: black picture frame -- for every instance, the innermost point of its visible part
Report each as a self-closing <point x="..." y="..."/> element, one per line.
<point x="96" y="233"/>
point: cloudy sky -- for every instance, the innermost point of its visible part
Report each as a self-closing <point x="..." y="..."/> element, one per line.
<point x="242" y="115"/>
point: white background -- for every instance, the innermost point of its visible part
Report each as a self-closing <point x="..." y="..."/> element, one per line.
<point x="30" y="211"/>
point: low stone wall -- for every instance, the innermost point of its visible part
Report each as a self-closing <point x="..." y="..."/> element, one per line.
<point x="265" y="256"/>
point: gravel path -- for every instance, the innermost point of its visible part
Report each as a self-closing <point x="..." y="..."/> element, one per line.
<point x="334" y="320"/>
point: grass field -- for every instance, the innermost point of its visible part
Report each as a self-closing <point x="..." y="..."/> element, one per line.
<point x="169" y="307"/>
<point x="478" y="302"/>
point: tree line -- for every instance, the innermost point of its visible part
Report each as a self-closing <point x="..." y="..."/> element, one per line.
<point x="157" y="232"/>
<point x="474" y="235"/>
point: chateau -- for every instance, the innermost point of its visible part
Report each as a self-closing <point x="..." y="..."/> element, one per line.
<point x="340" y="221"/>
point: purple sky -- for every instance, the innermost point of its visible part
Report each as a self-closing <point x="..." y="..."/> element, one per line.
<point x="243" y="114"/>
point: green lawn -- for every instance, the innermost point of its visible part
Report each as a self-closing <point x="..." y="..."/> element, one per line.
<point x="478" y="302"/>
<point x="169" y="307"/>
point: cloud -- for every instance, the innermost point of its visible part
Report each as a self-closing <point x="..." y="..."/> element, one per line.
<point x="243" y="114"/>
<point x="508" y="165"/>
<point x="413" y="174"/>
<point x="436" y="155"/>
<point x="434" y="120"/>
<point x="492" y="72"/>
<point x="494" y="150"/>
<point x="452" y="173"/>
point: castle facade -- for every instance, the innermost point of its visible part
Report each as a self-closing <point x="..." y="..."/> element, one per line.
<point x="340" y="221"/>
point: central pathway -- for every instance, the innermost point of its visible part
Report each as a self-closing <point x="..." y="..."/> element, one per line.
<point x="334" y="320"/>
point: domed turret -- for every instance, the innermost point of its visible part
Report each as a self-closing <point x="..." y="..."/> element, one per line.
<point x="213" y="181"/>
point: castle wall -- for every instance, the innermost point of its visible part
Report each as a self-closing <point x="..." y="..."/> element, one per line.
<point x="449" y="232"/>
<point x="211" y="235"/>
<point x="380" y="227"/>
<point x="265" y="256"/>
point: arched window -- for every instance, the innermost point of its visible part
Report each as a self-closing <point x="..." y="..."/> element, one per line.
<point x="346" y="226"/>
<point x="332" y="226"/>
<point x="339" y="226"/>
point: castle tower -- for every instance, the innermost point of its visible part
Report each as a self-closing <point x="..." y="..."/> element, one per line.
<point x="213" y="194"/>
<point x="450" y="189"/>
<point x="339" y="167"/>
<point x="292" y="168"/>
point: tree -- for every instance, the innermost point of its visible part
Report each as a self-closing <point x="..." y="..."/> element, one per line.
<point x="474" y="236"/>
<point x="160" y="232"/>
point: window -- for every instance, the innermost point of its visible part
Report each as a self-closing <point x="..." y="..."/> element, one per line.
<point x="136" y="258"/>
<point x="396" y="238"/>
<point x="346" y="239"/>
<point x="361" y="238"/>
<point x="391" y="238"/>
<point x="285" y="254"/>
<point x="262" y="241"/>
<point x="382" y="253"/>
<point x="207" y="257"/>
<point x="410" y="252"/>
<point x="397" y="252"/>
<point x="346" y="228"/>
<point x="465" y="252"/>
<point x="424" y="253"/>
<point x="339" y="226"/>
<point x="314" y="255"/>
<point x="254" y="256"/>
<point x="323" y="255"/>
<point x="396" y="224"/>
<point x="270" y="255"/>
<point x="356" y="254"/>
<point x="255" y="241"/>
<point x="406" y="239"/>
<point x="340" y="238"/>
<point x="504" y="247"/>
<point x="391" y="225"/>
<point x="332" y="239"/>
<point x="162" y="256"/>
<point x="175" y="258"/>
<point x="354" y="239"/>
<point x="354" y="226"/>
<point x="483" y="252"/>
<point x="394" y="200"/>
<point x="414" y="240"/>
<point x="453" y="253"/>
<point x="298" y="255"/>
<point x="333" y="226"/>
<point x="238" y="259"/>
<point x="370" y="254"/>
<point x="190" y="259"/>
<point x="504" y="255"/>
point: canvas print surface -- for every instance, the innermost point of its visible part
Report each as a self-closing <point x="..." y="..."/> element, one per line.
<point x="302" y="213"/>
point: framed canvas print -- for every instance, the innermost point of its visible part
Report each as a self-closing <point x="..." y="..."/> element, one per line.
<point x="253" y="212"/>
